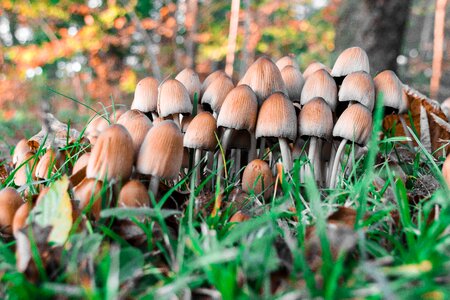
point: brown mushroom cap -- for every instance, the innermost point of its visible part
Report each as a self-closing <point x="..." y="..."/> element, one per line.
<point x="20" y="217"/>
<point x="212" y="77"/>
<point x="277" y="118"/>
<point x="391" y="88"/>
<point x="239" y="217"/>
<point x="87" y="189"/>
<point x="95" y="127"/>
<point x="201" y="133"/>
<point x="258" y="177"/>
<point x="264" y="78"/>
<point x="48" y="161"/>
<point x="239" y="110"/>
<point x="137" y="125"/>
<point x="294" y="81"/>
<point x="351" y="60"/>
<point x="22" y="172"/>
<point x="173" y="98"/>
<point x="10" y="201"/>
<point x="216" y="92"/>
<point x="81" y="162"/>
<point x="320" y="84"/>
<point x="288" y="60"/>
<point x="146" y="95"/>
<point x="446" y="170"/>
<point x="20" y="150"/>
<point x="313" y="67"/>
<point x="133" y="194"/>
<point x="112" y="156"/>
<point x="161" y="153"/>
<point x="316" y="119"/>
<point x="191" y="82"/>
<point x="358" y="87"/>
<point x="355" y="124"/>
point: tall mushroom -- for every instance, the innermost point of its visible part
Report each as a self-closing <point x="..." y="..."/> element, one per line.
<point x="320" y="84"/>
<point x="294" y="81"/>
<point x="137" y="124"/>
<point x="355" y="124"/>
<point x="161" y="153"/>
<point x="277" y="119"/>
<point x="351" y="60"/>
<point x="358" y="87"/>
<point x="146" y="96"/>
<point x="173" y="100"/>
<point x="216" y="93"/>
<point x="191" y="82"/>
<point x="210" y="78"/>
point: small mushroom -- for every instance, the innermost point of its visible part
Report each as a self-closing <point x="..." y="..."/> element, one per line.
<point x="173" y="100"/>
<point x="10" y="202"/>
<point x="191" y="82"/>
<point x="89" y="194"/>
<point x="288" y="60"/>
<point x="25" y="169"/>
<point x="351" y="60"/>
<point x="313" y="67"/>
<point x="20" y="217"/>
<point x="21" y="149"/>
<point x="358" y="87"/>
<point x="48" y="164"/>
<point x="146" y="96"/>
<point x="81" y="163"/>
<point x="320" y="84"/>
<point x="216" y="93"/>
<point x="210" y="78"/>
<point x="294" y="81"/>
<point x="258" y="178"/>
<point x="133" y="194"/>
<point x="137" y="124"/>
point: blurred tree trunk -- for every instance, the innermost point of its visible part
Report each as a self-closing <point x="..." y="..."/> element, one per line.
<point x="377" y="26"/>
<point x="191" y="28"/>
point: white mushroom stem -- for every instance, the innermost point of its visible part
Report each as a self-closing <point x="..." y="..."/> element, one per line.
<point x="262" y="148"/>
<point x="225" y="142"/>
<point x="197" y="159"/>
<point x="359" y="153"/>
<point x="252" y="150"/>
<point x="286" y="154"/>
<point x="210" y="166"/>
<point x="176" y="119"/>
<point x="311" y="156"/>
<point x="331" y="162"/>
<point x="154" y="185"/>
<point x="154" y="115"/>
<point x="318" y="162"/>
<point x="237" y="160"/>
<point x="337" y="159"/>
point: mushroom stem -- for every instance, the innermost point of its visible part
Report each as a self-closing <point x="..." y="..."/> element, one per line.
<point x="154" y="116"/>
<point x="237" y="160"/>
<point x="405" y="129"/>
<point x="359" y="153"/>
<point x="209" y="167"/>
<point x="252" y="150"/>
<point x="331" y="162"/>
<point x="262" y="148"/>
<point x="311" y="156"/>
<point x="197" y="159"/>
<point x="285" y="154"/>
<point x="318" y="162"/>
<point x="220" y="161"/>
<point x="337" y="159"/>
<point x="154" y="185"/>
<point x="176" y="119"/>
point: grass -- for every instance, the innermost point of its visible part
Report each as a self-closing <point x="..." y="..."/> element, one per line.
<point x="394" y="248"/>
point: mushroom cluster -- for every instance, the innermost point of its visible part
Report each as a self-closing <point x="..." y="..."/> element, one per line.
<point x="216" y="130"/>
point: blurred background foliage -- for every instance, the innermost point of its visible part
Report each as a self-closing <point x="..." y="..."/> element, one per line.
<point x="97" y="50"/>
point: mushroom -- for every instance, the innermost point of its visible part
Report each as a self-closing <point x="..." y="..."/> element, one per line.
<point x="355" y="124"/>
<point x="191" y="82"/>
<point x="277" y="119"/>
<point x="201" y="135"/>
<point x="316" y="121"/>
<point x="133" y="194"/>
<point x="313" y="67"/>
<point x="112" y="156"/>
<point x="351" y="60"/>
<point x="161" y="153"/>
<point x="358" y="87"/>
<point x="21" y="149"/>
<point x="48" y="164"/>
<point x="264" y="78"/>
<point x="258" y="178"/>
<point x="10" y="201"/>
<point x="216" y="93"/>
<point x="96" y="125"/>
<point x="137" y="124"/>
<point x="20" y="217"/>
<point x="89" y="194"/>
<point x="445" y="107"/>
<point x="446" y="170"/>
<point x="288" y="60"/>
<point x="294" y="81"/>
<point x="320" y="84"/>
<point x="173" y="100"/>
<point x="25" y="169"/>
<point x="81" y="163"/>
<point x="146" y="96"/>
<point x="210" y="78"/>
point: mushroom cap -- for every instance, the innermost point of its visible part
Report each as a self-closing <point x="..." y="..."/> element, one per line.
<point x="173" y="98"/>
<point x="354" y="124"/>
<point x="81" y="162"/>
<point x="358" y="87"/>
<point x="313" y="67"/>
<point x="111" y="157"/>
<point x="161" y="153"/>
<point x="294" y="81"/>
<point x="446" y="170"/>
<point x="264" y="78"/>
<point x="20" y="217"/>
<point x="20" y="150"/>
<point x="22" y="173"/>
<point x="133" y="194"/>
<point x="10" y="201"/>
<point x="137" y="124"/>
<point x="388" y="84"/>
<point x="258" y="177"/>
<point x="211" y="77"/>
<point x="146" y="95"/>
<point x="95" y="127"/>
<point x="201" y="133"/>
<point x="320" y="84"/>
<point x="87" y="189"/>
<point x="189" y="78"/>
<point x="47" y="161"/>
<point x="351" y="60"/>
<point x="277" y="118"/>
<point x="239" y="109"/>
<point x="288" y="60"/>
<point x="216" y="92"/>
<point x="316" y="119"/>
<point x="445" y="107"/>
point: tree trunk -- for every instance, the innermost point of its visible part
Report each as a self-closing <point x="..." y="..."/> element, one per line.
<point x="438" y="47"/>
<point x="377" y="26"/>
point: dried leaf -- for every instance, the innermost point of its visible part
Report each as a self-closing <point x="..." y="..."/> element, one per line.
<point x="55" y="210"/>
<point x="425" y="137"/>
<point x="54" y="133"/>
